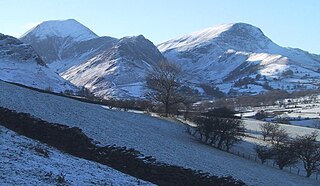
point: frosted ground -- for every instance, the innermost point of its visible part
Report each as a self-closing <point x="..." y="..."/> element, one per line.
<point x="21" y="164"/>
<point x="299" y="113"/>
<point x="165" y="140"/>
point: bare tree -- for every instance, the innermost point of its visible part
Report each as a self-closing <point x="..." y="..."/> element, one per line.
<point x="231" y="132"/>
<point x="205" y="127"/>
<point x="282" y="150"/>
<point x="85" y="92"/>
<point x="163" y="80"/>
<point x="284" y="154"/>
<point x="308" y="151"/>
<point x="280" y="136"/>
<point x="274" y="130"/>
<point x="190" y="96"/>
<point x="266" y="129"/>
<point x="220" y="132"/>
<point x="264" y="152"/>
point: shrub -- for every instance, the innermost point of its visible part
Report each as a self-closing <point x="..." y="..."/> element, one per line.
<point x="42" y="151"/>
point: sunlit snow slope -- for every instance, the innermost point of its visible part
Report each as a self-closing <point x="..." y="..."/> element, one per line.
<point x="19" y="63"/>
<point x="223" y="55"/>
<point x="22" y="164"/>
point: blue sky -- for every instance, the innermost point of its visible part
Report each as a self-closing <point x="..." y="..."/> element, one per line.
<point x="293" y="23"/>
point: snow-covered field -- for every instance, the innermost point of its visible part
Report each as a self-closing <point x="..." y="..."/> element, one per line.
<point x="22" y="164"/>
<point x="296" y="111"/>
<point x="165" y="140"/>
<point x="254" y="126"/>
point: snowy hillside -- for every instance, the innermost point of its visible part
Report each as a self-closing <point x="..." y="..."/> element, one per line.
<point x="28" y="162"/>
<point x="19" y="63"/>
<point x="73" y="54"/>
<point x="117" y="72"/>
<point x="223" y="56"/>
<point x="166" y="141"/>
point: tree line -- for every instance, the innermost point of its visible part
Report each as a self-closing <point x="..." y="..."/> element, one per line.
<point x="286" y="151"/>
<point x="218" y="128"/>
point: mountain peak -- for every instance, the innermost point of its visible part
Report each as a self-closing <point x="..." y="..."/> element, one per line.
<point x="133" y="38"/>
<point x="246" y="28"/>
<point x="69" y="28"/>
<point x="216" y="31"/>
<point x="242" y="25"/>
<point x="237" y="35"/>
<point x="137" y="48"/>
<point x="136" y="42"/>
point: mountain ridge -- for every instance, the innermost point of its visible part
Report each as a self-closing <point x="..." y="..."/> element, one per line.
<point x="19" y="63"/>
<point x="119" y="71"/>
<point x="109" y="67"/>
<point x="223" y="57"/>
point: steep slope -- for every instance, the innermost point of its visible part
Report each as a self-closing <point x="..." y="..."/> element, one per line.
<point x="223" y="56"/>
<point x="22" y="163"/>
<point x="19" y="63"/>
<point x="79" y="52"/>
<point x="119" y="71"/>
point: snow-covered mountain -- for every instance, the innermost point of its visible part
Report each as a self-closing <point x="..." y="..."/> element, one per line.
<point x="119" y="71"/>
<point x="234" y="58"/>
<point x="19" y="63"/>
<point x="61" y="28"/>
<point x="65" y="43"/>
<point x="105" y="65"/>
<point x="240" y="58"/>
